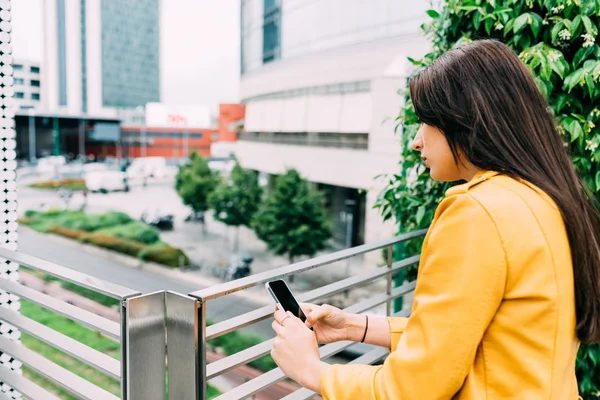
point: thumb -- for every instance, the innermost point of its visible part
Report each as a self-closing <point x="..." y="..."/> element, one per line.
<point x="315" y="315"/>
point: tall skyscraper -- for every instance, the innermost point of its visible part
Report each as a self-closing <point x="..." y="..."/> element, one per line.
<point x="100" y="55"/>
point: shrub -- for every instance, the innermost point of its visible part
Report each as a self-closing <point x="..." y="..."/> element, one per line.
<point x="70" y="233"/>
<point x="111" y="242"/>
<point x="166" y="255"/>
<point x="73" y="184"/>
<point x="558" y="42"/>
<point x="134" y="230"/>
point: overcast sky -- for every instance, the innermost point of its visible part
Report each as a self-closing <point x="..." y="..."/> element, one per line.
<point x="199" y="48"/>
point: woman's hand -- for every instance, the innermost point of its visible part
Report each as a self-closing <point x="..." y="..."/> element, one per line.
<point x="296" y="352"/>
<point x="332" y="324"/>
<point x="329" y="323"/>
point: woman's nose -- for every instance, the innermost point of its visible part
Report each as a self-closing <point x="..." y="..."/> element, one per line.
<point x="417" y="143"/>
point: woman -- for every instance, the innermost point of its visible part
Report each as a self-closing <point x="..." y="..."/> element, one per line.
<point x="509" y="280"/>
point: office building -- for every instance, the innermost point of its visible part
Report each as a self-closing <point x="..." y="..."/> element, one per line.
<point x="101" y="56"/>
<point x="320" y="81"/>
<point x="27" y="84"/>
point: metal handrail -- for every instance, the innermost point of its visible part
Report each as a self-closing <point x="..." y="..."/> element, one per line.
<point x="217" y="368"/>
<point x="243" y="320"/>
<point x="223" y="365"/>
<point x="83" y="353"/>
<point x="91" y="320"/>
<point x="24" y="386"/>
<point x="89" y="282"/>
<point x="66" y="379"/>
<point x="217" y="291"/>
<point x="63" y="378"/>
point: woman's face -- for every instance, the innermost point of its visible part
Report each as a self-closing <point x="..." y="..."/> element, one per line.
<point x="437" y="155"/>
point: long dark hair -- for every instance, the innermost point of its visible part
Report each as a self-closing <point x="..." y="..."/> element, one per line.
<point x="486" y="102"/>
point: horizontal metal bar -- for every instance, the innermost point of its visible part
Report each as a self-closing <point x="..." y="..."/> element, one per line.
<point x="366" y="359"/>
<point x="72" y="347"/>
<point x="223" y="365"/>
<point x="217" y="291"/>
<point x="72" y="383"/>
<point x="267" y="379"/>
<point x="249" y="318"/>
<point x="24" y="386"/>
<point x="91" y="320"/>
<point x="86" y="281"/>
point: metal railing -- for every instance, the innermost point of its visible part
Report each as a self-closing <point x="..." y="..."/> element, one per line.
<point x="196" y="305"/>
<point x="164" y="335"/>
<point x="123" y="331"/>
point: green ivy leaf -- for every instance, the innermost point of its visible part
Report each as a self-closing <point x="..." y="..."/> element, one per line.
<point x="433" y="14"/>
<point x="574" y="28"/>
<point x="536" y="23"/>
<point x="555" y="31"/>
<point x="420" y="214"/>
<point x="488" y="25"/>
<point x="589" y="25"/>
<point x="597" y="189"/>
<point x="509" y="27"/>
<point x="520" y="23"/>
<point x="591" y="86"/>
<point x="581" y="55"/>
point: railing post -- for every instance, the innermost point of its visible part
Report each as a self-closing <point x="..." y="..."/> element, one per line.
<point x="182" y="347"/>
<point x="143" y="347"/>
<point x="390" y="261"/>
<point x="201" y="359"/>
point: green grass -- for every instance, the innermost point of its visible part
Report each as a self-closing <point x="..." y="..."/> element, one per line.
<point x="77" y="332"/>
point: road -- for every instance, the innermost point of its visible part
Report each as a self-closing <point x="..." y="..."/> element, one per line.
<point x="143" y="281"/>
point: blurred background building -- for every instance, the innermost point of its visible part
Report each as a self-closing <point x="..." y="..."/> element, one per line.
<point x="100" y="56"/>
<point x="27" y="83"/>
<point x="320" y="81"/>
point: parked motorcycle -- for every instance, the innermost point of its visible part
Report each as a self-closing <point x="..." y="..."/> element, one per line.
<point x="238" y="268"/>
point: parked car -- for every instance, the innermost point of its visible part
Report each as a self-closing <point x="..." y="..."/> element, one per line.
<point x="106" y="181"/>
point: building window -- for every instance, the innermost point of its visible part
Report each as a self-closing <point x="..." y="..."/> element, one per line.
<point x="271" y="31"/>
<point x="19" y="81"/>
<point x="35" y="83"/>
<point x="35" y="96"/>
<point x="34" y="70"/>
<point x="18" y="67"/>
<point x="19" y="95"/>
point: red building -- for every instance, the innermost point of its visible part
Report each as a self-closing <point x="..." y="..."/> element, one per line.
<point x="170" y="142"/>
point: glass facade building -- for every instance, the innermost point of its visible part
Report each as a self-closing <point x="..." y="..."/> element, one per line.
<point x="130" y="52"/>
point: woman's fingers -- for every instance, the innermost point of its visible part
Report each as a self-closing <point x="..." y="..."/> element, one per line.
<point x="316" y="315"/>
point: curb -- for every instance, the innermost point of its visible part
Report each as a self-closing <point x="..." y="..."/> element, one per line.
<point x="132" y="262"/>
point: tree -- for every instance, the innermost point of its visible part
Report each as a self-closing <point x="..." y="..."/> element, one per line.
<point x="557" y="40"/>
<point x="236" y="199"/>
<point x="292" y="219"/>
<point x="194" y="182"/>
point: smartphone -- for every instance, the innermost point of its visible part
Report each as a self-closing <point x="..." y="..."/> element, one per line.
<point x="284" y="298"/>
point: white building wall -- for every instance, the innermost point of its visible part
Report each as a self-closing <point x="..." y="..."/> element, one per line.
<point x="49" y="92"/>
<point x="73" y="45"/>
<point x="27" y="90"/>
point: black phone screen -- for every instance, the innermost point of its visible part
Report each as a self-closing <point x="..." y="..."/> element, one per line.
<point x="286" y="299"/>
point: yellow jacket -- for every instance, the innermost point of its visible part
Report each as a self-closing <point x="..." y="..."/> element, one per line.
<point x="494" y="309"/>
